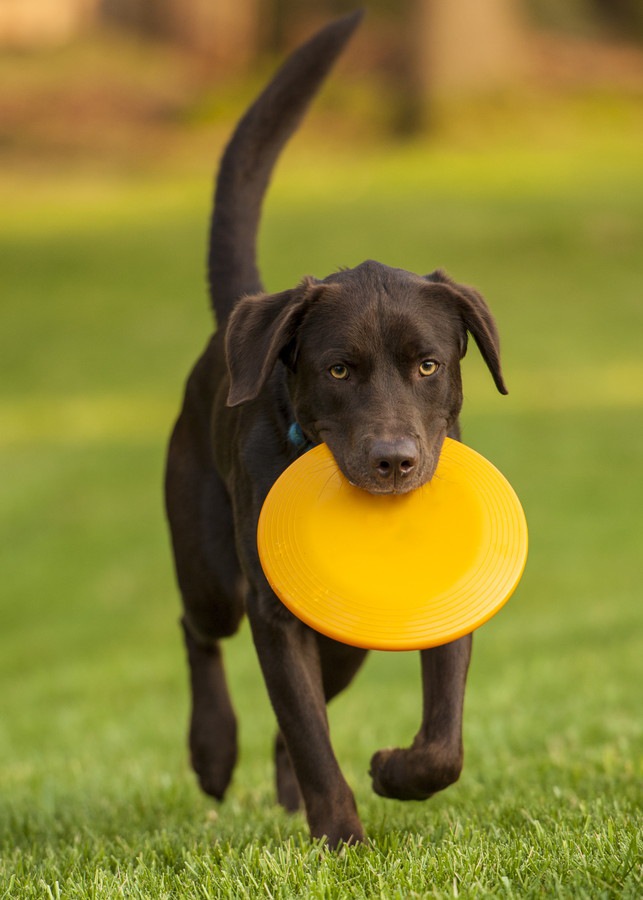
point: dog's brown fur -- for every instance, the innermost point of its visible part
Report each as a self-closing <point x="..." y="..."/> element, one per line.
<point x="367" y="360"/>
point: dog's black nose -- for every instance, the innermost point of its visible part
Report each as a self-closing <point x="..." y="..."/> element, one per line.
<point x="394" y="459"/>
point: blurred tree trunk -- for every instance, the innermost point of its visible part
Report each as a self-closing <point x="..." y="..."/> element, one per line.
<point x="465" y="45"/>
<point x="33" y="23"/>
<point x="224" y="31"/>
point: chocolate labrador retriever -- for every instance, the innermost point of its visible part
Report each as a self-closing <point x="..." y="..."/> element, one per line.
<point x="367" y="360"/>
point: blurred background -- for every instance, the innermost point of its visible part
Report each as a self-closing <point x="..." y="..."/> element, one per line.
<point x="502" y="140"/>
<point x="123" y="80"/>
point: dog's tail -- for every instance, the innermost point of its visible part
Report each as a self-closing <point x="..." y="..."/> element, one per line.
<point x="249" y="159"/>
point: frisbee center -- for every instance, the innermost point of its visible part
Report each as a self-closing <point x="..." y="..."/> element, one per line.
<point x="388" y="545"/>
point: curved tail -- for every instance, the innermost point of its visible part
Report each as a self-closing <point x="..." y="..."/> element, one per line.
<point x="249" y="159"/>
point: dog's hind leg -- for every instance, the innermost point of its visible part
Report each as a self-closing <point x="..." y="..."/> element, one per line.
<point x="434" y="760"/>
<point x="213" y="726"/>
<point x="211" y="586"/>
<point x="288" y="792"/>
<point x="339" y="665"/>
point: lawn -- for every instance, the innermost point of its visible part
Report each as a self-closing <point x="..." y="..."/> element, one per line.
<point x="103" y="309"/>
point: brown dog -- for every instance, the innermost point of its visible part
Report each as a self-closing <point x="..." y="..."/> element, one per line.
<point x="367" y="360"/>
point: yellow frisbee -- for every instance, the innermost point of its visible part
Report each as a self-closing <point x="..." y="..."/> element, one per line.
<point x="393" y="571"/>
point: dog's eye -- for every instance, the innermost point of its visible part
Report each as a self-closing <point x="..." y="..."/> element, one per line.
<point x="428" y="367"/>
<point x="339" y="371"/>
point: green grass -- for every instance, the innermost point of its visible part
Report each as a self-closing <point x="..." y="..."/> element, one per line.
<point x="103" y="309"/>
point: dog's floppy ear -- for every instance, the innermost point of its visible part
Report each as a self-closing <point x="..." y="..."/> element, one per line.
<point x="478" y="321"/>
<point x="260" y="327"/>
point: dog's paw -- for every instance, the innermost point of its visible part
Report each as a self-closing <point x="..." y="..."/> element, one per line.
<point x="335" y="820"/>
<point x="415" y="773"/>
<point x="340" y="834"/>
<point x="213" y="756"/>
<point x="214" y="775"/>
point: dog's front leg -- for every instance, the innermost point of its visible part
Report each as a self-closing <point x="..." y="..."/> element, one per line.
<point x="289" y="658"/>
<point x="434" y="760"/>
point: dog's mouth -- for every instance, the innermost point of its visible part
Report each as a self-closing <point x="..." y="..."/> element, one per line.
<point x="394" y="485"/>
<point x="405" y="488"/>
<point x="385" y="467"/>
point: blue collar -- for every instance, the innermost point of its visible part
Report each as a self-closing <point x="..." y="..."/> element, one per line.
<point x="298" y="439"/>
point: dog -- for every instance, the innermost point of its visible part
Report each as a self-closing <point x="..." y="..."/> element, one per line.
<point x="366" y="360"/>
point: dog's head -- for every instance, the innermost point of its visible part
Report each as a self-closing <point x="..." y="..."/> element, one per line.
<point x="373" y="360"/>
